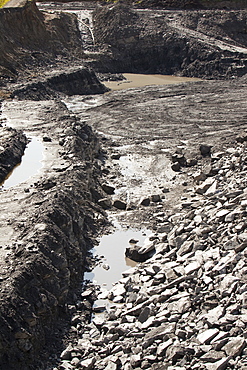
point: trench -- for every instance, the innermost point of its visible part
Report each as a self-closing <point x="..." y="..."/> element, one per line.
<point x="110" y="251"/>
<point x="30" y="165"/>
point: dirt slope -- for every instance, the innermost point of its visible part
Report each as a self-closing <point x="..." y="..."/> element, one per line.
<point x="207" y="44"/>
<point x="36" y="39"/>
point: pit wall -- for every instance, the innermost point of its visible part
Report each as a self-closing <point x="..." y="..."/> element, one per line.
<point x="29" y="37"/>
<point x="47" y="262"/>
<point x="142" y="42"/>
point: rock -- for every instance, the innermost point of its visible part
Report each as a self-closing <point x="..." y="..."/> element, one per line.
<point x="192" y="267"/>
<point x="202" y="188"/>
<point x="163" y="347"/>
<point x="117" y="290"/>
<point x="145" y="202"/>
<point x="212" y="189"/>
<point x="111" y="366"/>
<point x="66" y="354"/>
<point x="46" y="139"/>
<point x="214" y="315"/>
<point x="222" y="213"/>
<point x="108" y="189"/>
<point x="234" y="346"/>
<point x="191" y="162"/>
<point x="241" y="138"/>
<point x="119" y="204"/>
<point x="88" y="364"/>
<point x="174" y="352"/>
<point x="179" y="158"/>
<point x="115" y="156"/>
<point x="136" y="253"/>
<point x="145" y="314"/>
<point x="205" y="150"/>
<point x="218" y="365"/>
<point x="185" y="248"/>
<point x="156" y="198"/>
<point x="176" y="167"/>
<point x="159" y="332"/>
<point x="212" y="356"/>
<point x="207" y="335"/>
<point x="105" y="203"/>
<point x="98" y="320"/>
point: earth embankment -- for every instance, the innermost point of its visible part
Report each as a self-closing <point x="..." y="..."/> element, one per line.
<point x="207" y="44"/>
<point x="47" y="226"/>
<point x="36" y="40"/>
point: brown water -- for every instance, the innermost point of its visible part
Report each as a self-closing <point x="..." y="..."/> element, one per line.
<point x="140" y="80"/>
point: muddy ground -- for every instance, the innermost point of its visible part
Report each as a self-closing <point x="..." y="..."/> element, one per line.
<point x="151" y="144"/>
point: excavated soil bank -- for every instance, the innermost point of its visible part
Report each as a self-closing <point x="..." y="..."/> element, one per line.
<point x="43" y="250"/>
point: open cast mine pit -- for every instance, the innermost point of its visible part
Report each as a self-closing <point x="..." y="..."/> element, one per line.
<point x="123" y="185"/>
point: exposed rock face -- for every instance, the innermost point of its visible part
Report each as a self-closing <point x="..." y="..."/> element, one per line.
<point x="170" y="43"/>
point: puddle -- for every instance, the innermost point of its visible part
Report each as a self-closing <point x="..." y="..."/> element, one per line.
<point x="140" y="80"/>
<point x="30" y="164"/>
<point x="112" y="247"/>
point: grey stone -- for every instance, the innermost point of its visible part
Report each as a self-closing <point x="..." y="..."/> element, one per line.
<point x="207" y="335"/>
<point x="202" y="188"/>
<point x="212" y="356"/>
<point x="88" y="364"/>
<point x="218" y="365"/>
<point x="176" y="166"/>
<point x="119" y="204"/>
<point x="174" y="352"/>
<point x="145" y="314"/>
<point x="105" y="203"/>
<point x="66" y="354"/>
<point x="205" y="150"/>
<point x="155" y="198"/>
<point x="185" y="248"/>
<point x="108" y="189"/>
<point x="162" y="347"/>
<point x="234" y="346"/>
<point x="145" y="202"/>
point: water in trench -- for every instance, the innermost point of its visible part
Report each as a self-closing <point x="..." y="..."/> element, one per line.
<point x="112" y="247"/>
<point x="113" y="262"/>
<point x="141" y="80"/>
<point x="30" y="164"/>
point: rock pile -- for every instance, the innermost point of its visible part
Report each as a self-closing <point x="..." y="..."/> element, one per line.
<point x="185" y="307"/>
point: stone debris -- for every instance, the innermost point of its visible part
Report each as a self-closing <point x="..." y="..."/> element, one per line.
<point x="185" y="307"/>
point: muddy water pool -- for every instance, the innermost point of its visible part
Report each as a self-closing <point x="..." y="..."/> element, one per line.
<point x="112" y="250"/>
<point x="30" y="164"/>
<point x="141" y="80"/>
